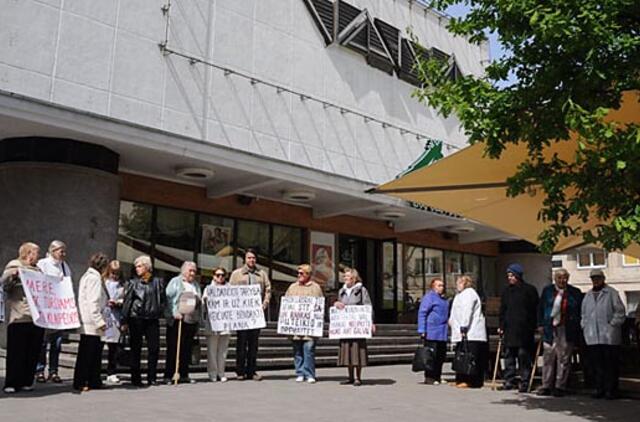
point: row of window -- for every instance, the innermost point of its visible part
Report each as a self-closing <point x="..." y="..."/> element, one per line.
<point x="596" y="259"/>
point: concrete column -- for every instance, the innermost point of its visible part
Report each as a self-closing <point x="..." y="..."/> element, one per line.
<point x="44" y="201"/>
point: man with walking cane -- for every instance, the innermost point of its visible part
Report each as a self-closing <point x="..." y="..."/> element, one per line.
<point x="518" y="311"/>
<point x="559" y="322"/>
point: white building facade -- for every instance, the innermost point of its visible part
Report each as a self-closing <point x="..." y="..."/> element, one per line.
<point x="193" y="129"/>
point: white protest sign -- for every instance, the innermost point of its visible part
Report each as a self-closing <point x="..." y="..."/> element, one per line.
<point x="112" y="331"/>
<point x="233" y="308"/>
<point x="51" y="300"/>
<point x="353" y="321"/>
<point x="301" y="316"/>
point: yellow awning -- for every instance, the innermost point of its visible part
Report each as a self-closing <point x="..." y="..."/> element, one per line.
<point x="471" y="185"/>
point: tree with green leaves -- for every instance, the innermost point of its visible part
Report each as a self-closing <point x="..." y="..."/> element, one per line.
<point x="568" y="63"/>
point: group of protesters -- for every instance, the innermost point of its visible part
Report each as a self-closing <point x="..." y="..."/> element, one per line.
<point x="564" y="318"/>
<point x="110" y="307"/>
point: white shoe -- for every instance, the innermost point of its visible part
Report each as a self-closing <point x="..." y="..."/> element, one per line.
<point x="311" y="380"/>
<point x="300" y="379"/>
<point x="443" y="382"/>
<point x="113" y="380"/>
<point x="224" y="379"/>
<point x="28" y="388"/>
<point x="9" y="390"/>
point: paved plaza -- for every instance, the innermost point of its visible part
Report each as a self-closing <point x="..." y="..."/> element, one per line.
<point x="389" y="394"/>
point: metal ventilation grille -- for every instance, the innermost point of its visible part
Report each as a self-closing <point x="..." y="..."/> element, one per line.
<point x="407" y="59"/>
<point x="346" y="14"/>
<point x="322" y="13"/>
<point x="391" y="38"/>
<point x="378" y="56"/>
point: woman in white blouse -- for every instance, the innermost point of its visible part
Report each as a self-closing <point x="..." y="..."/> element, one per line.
<point x="468" y="324"/>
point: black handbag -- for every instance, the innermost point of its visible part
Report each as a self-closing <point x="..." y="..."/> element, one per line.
<point x="464" y="362"/>
<point x="423" y="359"/>
<point x="123" y="355"/>
<point x="196" y="350"/>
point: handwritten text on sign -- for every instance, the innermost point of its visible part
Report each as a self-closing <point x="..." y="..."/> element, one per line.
<point x="234" y="308"/>
<point x="351" y="322"/>
<point x="51" y="300"/>
<point x="301" y="316"/>
<point x="1" y="304"/>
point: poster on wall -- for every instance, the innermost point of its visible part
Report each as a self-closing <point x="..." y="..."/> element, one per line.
<point x="215" y="239"/>
<point x="323" y="269"/>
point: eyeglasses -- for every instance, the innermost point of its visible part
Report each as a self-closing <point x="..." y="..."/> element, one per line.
<point x="218" y="275"/>
<point x="301" y="273"/>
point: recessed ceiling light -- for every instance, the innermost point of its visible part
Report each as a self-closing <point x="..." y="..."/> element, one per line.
<point x="195" y="173"/>
<point x="390" y="214"/>
<point x="298" y="195"/>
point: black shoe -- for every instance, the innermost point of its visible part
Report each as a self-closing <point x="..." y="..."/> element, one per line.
<point x="544" y="392"/>
<point x="153" y="383"/>
<point x="559" y="392"/>
<point x="523" y="389"/>
<point x="611" y="396"/>
<point x="186" y="380"/>
<point x="428" y="380"/>
<point x="357" y="383"/>
<point x="597" y="394"/>
<point x="347" y="382"/>
<point x="138" y="384"/>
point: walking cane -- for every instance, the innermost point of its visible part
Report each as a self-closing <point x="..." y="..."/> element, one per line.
<point x="176" y="374"/>
<point x="495" y="368"/>
<point x="535" y="365"/>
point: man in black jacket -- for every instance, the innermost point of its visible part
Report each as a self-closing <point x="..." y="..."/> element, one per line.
<point x="518" y="317"/>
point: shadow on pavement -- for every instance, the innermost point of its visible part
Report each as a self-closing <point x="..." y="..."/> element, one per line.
<point x="582" y="406"/>
<point x="332" y="378"/>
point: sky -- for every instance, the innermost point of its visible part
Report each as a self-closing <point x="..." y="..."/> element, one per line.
<point x="495" y="48"/>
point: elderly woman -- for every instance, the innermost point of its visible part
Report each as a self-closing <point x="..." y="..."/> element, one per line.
<point x="217" y="341"/>
<point x="54" y="264"/>
<point x="141" y="311"/>
<point x="353" y="352"/>
<point x="92" y="301"/>
<point x="183" y="287"/>
<point x="304" y="347"/>
<point x="468" y="326"/>
<point x="113" y="316"/>
<point x="24" y="339"/>
<point x="433" y="316"/>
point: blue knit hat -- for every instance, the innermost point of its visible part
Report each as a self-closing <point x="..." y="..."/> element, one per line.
<point x="516" y="269"/>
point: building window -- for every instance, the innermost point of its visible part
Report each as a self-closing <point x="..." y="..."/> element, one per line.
<point x="413" y="276"/>
<point x="287" y="250"/>
<point x="556" y="263"/>
<point x="593" y="259"/>
<point x="174" y="235"/>
<point x="630" y="261"/>
<point x="433" y="264"/>
<point x="255" y="235"/>
<point x="453" y="269"/>
<point x="134" y="234"/>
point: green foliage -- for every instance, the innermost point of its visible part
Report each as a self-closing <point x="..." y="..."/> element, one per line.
<point x="572" y="60"/>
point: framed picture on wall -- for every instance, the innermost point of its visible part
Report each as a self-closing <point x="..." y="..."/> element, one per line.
<point x="323" y="259"/>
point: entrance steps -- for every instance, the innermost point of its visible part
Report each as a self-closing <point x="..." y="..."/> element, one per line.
<point x="392" y="344"/>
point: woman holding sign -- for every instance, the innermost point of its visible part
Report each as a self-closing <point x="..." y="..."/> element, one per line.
<point x="217" y="341"/>
<point x="23" y="337"/>
<point x="353" y="352"/>
<point x="92" y="301"/>
<point x="304" y="347"/>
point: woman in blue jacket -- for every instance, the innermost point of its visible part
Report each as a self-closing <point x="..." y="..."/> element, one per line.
<point x="432" y="326"/>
